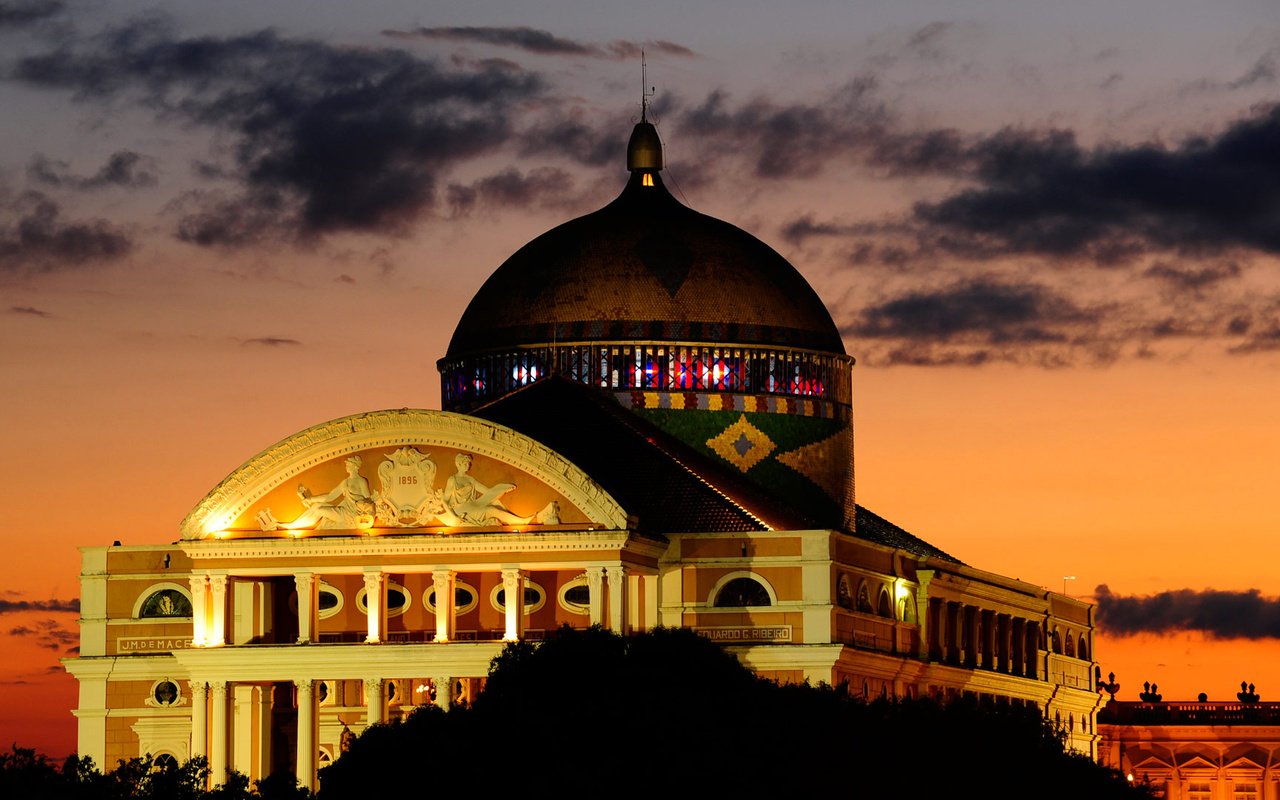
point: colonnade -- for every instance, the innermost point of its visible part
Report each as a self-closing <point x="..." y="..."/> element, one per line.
<point x="977" y="638"/>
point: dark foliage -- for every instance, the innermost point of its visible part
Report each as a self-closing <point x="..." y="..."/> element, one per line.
<point x="670" y="713"/>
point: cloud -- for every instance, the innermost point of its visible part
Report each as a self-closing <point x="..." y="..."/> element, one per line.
<point x="272" y="341"/>
<point x="29" y="311"/>
<point x="47" y="633"/>
<point x="543" y="43"/>
<point x="20" y="14"/>
<point x="13" y="606"/>
<point x="510" y="187"/>
<point x="125" y="169"/>
<point x="984" y="320"/>
<point x="34" y="236"/>
<point x="1193" y="279"/>
<point x="1219" y="614"/>
<point x="1042" y="192"/>
<point x="319" y="138"/>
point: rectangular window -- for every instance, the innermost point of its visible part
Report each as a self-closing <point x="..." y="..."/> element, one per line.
<point x="1244" y="790"/>
<point x="1199" y="790"/>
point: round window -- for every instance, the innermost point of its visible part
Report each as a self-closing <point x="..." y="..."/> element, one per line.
<point x="465" y="598"/>
<point x="165" y="693"/>
<point x="534" y="597"/>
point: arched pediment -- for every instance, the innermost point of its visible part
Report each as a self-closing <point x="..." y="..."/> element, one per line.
<point x="397" y="469"/>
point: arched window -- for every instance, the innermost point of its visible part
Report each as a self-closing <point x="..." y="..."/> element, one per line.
<point x="164" y="602"/>
<point x="1082" y="651"/>
<point x="883" y="607"/>
<point x="1057" y="642"/>
<point x="864" y="599"/>
<point x="907" y="609"/>
<point x="1071" y="645"/>
<point x="740" y="592"/>
<point x="163" y="762"/>
<point x="844" y="592"/>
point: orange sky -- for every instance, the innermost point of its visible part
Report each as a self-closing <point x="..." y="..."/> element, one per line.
<point x="1110" y="434"/>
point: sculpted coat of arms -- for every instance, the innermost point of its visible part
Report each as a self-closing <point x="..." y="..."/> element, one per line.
<point x="407" y="498"/>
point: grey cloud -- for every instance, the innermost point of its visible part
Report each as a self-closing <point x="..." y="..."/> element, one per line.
<point x="323" y="138"/>
<point x="1220" y="614"/>
<point x="34" y="236"/>
<point x="46" y="633"/>
<point x="511" y="187"/>
<point x="125" y="169"/>
<point x="30" y="311"/>
<point x="13" y="606"/>
<point x="541" y="42"/>
<point x="21" y="14"/>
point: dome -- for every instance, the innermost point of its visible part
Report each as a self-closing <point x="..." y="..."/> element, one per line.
<point x="645" y="267"/>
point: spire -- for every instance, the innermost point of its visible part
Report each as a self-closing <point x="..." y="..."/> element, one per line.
<point x="644" y="151"/>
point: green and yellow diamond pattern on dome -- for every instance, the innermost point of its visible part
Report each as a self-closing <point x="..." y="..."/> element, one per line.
<point x="824" y="462"/>
<point x="742" y="444"/>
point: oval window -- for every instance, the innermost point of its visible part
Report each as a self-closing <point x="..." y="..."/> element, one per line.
<point x="464" y="598"/>
<point x="534" y="598"/>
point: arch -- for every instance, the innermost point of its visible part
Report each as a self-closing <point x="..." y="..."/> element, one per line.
<point x="1069" y="644"/>
<point x="863" y="602"/>
<point x="1082" y="649"/>
<point x="1056" y="641"/>
<point x="883" y="606"/>
<point x="719" y="597"/>
<point x="907" y="609"/>
<point x="844" y="592"/>
<point x="163" y="762"/>
<point x="336" y="439"/>
<point x="159" y="591"/>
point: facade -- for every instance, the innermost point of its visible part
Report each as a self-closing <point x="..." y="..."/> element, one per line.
<point x="648" y="421"/>
<point x="1195" y="750"/>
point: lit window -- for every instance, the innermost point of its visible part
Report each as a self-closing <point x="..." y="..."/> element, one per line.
<point x="1199" y="790"/>
<point x="646" y="179"/>
<point x="166" y="603"/>
<point x="1244" y="790"/>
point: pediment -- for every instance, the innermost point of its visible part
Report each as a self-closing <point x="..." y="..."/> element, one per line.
<point x="1194" y="761"/>
<point x="398" y="471"/>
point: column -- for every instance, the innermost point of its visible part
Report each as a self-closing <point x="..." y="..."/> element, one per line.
<point x="217" y="634"/>
<point x="953" y="632"/>
<point x="971" y="636"/>
<point x="650" y="602"/>
<point x="513" y="591"/>
<point x="446" y="611"/>
<point x="1017" y="651"/>
<point x="989" y="640"/>
<point x="632" y="621"/>
<point x="262" y="761"/>
<point x="933" y="628"/>
<point x="199" y="719"/>
<point x="306" y="769"/>
<point x="199" y="609"/>
<point x="218" y="733"/>
<point x="594" y="586"/>
<point x="374" y="701"/>
<point x="242" y="706"/>
<point x="617" y="588"/>
<point x="1002" y="642"/>
<point x="444" y="691"/>
<point x="373" y="584"/>
<point x="306" y="584"/>
<point x="1033" y="649"/>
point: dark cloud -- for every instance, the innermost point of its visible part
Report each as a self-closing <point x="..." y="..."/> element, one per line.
<point x="13" y="606"/>
<point x="31" y="311"/>
<point x="46" y="633"/>
<point x="1042" y="192"/>
<point x="510" y="187"/>
<point x="787" y="140"/>
<point x="272" y="341"/>
<point x="1193" y="279"/>
<point x="322" y="138"/>
<point x="1263" y="341"/>
<point x="978" y="321"/>
<point x="34" y="236"/>
<point x="543" y="43"/>
<point x="1219" y="614"/>
<point x="21" y="14"/>
<point x="125" y="169"/>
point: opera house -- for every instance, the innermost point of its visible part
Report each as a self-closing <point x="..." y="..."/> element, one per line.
<point x="647" y="420"/>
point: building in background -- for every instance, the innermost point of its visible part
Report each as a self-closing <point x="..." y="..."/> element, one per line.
<point x="1195" y="750"/>
<point x="648" y="421"/>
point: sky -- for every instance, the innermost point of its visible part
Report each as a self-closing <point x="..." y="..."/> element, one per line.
<point x="1049" y="233"/>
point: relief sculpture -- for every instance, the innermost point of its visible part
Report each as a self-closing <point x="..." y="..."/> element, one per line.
<point x="407" y="498"/>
